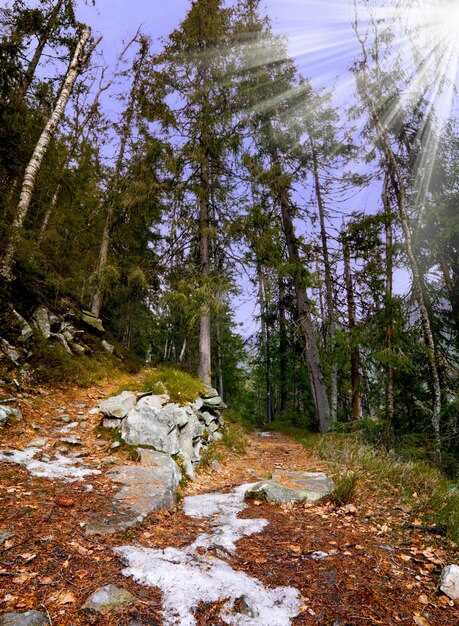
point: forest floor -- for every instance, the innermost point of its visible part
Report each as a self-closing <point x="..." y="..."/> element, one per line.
<point x="351" y="565"/>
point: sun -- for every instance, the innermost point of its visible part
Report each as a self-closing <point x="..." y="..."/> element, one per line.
<point x="445" y="19"/>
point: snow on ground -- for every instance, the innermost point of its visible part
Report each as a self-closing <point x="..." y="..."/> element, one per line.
<point x="60" y="468"/>
<point x="187" y="577"/>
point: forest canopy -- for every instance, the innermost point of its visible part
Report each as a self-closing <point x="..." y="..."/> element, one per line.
<point x="163" y="191"/>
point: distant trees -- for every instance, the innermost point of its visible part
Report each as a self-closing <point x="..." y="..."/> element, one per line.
<point x="222" y="168"/>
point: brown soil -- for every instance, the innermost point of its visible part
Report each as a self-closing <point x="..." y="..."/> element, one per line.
<point x="375" y="572"/>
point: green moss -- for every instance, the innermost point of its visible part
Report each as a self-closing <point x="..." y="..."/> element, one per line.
<point x="180" y="386"/>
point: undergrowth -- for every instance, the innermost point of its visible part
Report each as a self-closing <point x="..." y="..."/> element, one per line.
<point x="179" y="386"/>
<point x="417" y="483"/>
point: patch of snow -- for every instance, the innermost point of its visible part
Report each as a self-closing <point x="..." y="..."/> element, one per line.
<point x="223" y="508"/>
<point x="60" y="468"/>
<point x="186" y="577"/>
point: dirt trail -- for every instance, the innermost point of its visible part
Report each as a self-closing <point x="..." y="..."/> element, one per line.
<point x="366" y="574"/>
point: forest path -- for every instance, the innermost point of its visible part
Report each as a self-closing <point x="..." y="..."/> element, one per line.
<point x="348" y="568"/>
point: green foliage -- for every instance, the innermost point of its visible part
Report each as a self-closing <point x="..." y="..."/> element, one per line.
<point x="179" y="386"/>
<point x="50" y="364"/>
<point x="390" y="476"/>
<point x="345" y="488"/>
<point x="234" y="438"/>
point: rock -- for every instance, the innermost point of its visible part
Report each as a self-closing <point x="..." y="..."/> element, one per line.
<point x="146" y="488"/>
<point x="62" y="341"/>
<point x="149" y="426"/>
<point x="107" y="346"/>
<point x="210" y="393"/>
<point x="272" y="492"/>
<point x="12" y="354"/>
<point x="215" y="465"/>
<point x="4" y="536"/>
<point x="449" y="582"/>
<point x="217" y="436"/>
<point x="315" y="485"/>
<point x="207" y="418"/>
<point x="30" y="618"/>
<point x="77" y="348"/>
<point x="71" y="441"/>
<point x="118" y="406"/>
<point x="92" y="323"/>
<point x="9" y="414"/>
<point x="37" y="443"/>
<point x="187" y="465"/>
<point x="111" y="422"/>
<point x="214" y="403"/>
<point x="115" y="445"/>
<point x="40" y="319"/>
<point x="26" y="329"/>
<point x="108" y="598"/>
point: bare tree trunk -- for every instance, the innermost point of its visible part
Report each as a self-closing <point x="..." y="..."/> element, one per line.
<point x="330" y="319"/>
<point x="47" y="216"/>
<point x="33" y="168"/>
<point x="219" y="359"/>
<point x="398" y="185"/>
<point x="352" y="322"/>
<point x="204" y="371"/>
<point x="316" y="381"/>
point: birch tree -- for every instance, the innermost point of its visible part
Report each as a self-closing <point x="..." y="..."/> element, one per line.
<point x="33" y="167"/>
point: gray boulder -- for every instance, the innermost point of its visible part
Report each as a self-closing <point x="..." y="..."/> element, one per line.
<point x="149" y="426"/>
<point x="214" y="403"/>
<point x="303" y="487"/>
<point x="92" y="323"/>
<point x="61" y="340"/>
<point x="108" y="598"/>
<point x="8" y="350"/>
<point x="188" y="467"/>
<point x="4" y="536"/>
<point x="26" y="329"/>
<point x="30" y="618"/>
<point x="449" y="582"/>
<point x="210" y="393"/>
<point x="146" y="488"/>
<point x="118" y="406"/>
<point x="40" y="319"/>
<point x="108" y="347"/>
<point x="9" y="414"/>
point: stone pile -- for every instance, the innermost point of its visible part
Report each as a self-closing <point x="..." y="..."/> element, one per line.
<point x="68" y="330"/>
<point x="145" y="419"/>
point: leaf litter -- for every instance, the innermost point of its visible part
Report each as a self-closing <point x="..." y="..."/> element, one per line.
<point x="51" y="565"/>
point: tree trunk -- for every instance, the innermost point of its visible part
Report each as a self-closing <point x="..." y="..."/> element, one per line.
<point x="283" y="345"/>
<point x="389" y="400"/>
<point x="330" y="327"/>
<point x="219" y="359"/>
<point x="96" y="303"/>
<point x="311" y="351"/>
<point x="204" y="371"/>
<point x="352" y="322"/>
<point x="33" y="168"/>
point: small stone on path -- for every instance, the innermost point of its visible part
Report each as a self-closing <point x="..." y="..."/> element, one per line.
<point x="108" y="598"/>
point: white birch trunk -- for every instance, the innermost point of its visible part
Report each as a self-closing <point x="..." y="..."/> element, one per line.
<point x="33" y="168"/>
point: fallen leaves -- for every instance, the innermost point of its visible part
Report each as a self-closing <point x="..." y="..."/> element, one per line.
<point x="64" y="502"/>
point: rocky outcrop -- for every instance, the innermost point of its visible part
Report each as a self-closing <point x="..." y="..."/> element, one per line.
<point x="146" y="487"/>
<point x="66" y="329"/>
<point x="151" y="420"/>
